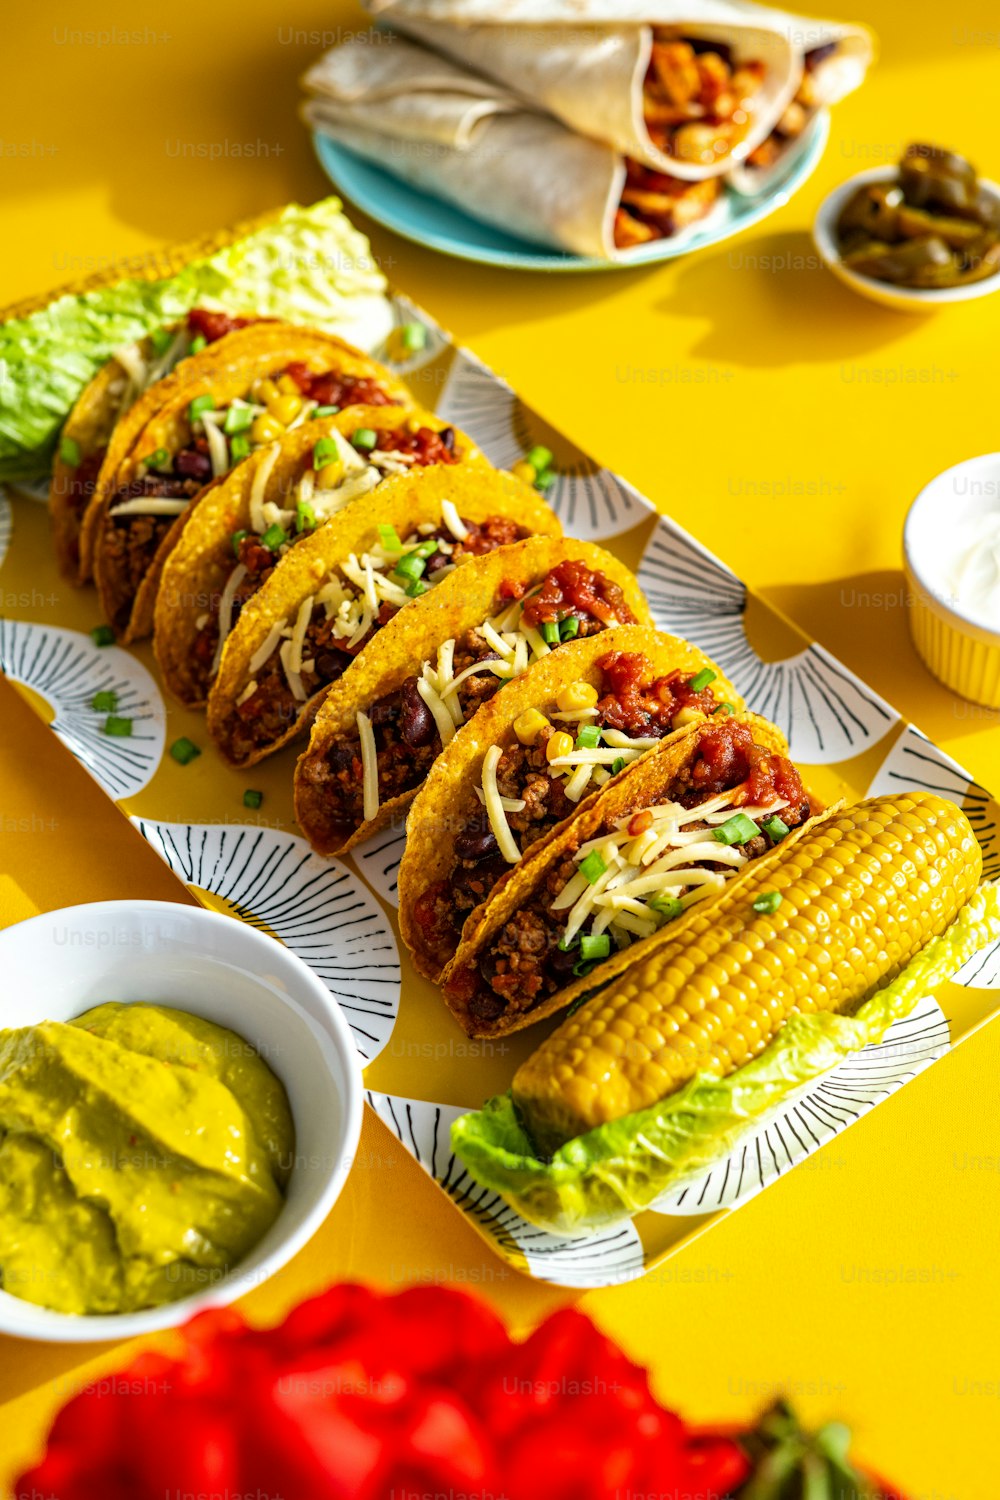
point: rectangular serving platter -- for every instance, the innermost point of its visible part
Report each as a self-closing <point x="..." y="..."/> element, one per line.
<point x="340" y="915"/>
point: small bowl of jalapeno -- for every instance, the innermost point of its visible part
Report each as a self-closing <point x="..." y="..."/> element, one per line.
<point x="915" y="236"/>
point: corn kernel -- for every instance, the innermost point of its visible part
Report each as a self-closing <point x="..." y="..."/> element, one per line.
<point x="266" y="430"/>
<point x="523" y="470"/>
<point x="286" y="384"/>
<point x="559" y="743"/>
<point x="688" y="715"/>
<point x="530" y="725"/>
<point x="284" y="409"/>
<point x="577" y="695"/>
<point x="263" y="389"/>
<point x="330" y="475"/>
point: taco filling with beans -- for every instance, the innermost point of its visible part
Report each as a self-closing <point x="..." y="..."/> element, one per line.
<point x="397" y="738"/>
<point x="621" y="875"/>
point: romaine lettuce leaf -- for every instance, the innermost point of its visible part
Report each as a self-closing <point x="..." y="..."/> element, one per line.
<point x="619" y="1168"/>
<point x="310" y="265"/>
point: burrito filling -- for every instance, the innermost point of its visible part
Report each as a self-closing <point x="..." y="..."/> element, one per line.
<point x="338" y="470"/>
<point x="400" y="736"/>
<point x="730" y="803"/>
<point x="798" y="112"/>
<point x="220" y="435"/>
<point x="697" y="98"/>
<point x="655" y="206"/>
<point x="354" y="599"/>
<point x="554" y="761"/>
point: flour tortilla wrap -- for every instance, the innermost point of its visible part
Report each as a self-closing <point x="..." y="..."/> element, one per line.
<point x="586" y="63"/>
<point x="255" y="706"/>
<point x="653" y="779"/>
<point x="451" y="797"/>
<point x="390" y="710"/>
<point x="276" y="485"/>
<point x="161" y="423"/>
<point x="468" y="140"/>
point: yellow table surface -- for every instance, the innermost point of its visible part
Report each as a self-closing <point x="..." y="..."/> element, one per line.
<point x="784" y="421"/>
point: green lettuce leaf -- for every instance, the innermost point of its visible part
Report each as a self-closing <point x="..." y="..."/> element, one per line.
<point x="602" y="1177"/>
<point x="310" y="265"/>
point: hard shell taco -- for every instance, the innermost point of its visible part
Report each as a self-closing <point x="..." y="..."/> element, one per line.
<point x="350" y="581"/>
<point x="239" y="530"/>
<point x="529" y="760"/>
<point x="382" y="727"/>
<point x="667" y="832"/>
<point x="257" y="384"/>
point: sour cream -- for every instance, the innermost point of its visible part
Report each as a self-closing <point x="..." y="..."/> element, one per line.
<point x="973" y="577"/>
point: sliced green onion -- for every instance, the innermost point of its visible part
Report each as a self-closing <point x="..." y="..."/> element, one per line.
<point x="702" y="679"/>
<point x="565" y="947"/>
<point x="723" y="708"/>
<point x="413" y="336"/>
<point x="157" y="459"/>
<point x="667" y="907"/>
<point x="184" y="750"/>
<point x="238" y="419"/>
<point x="540" y="458"/>
<point x="410" y="566"/>
<point x="595" y="946"/>
<point x="69" y="451"/>
<point x="161" y="339"/>
<point x="200" y="404"/>
<point x="775" y="828"/>
<point x="416" y="587"/>
<point x="569" y="628"/>
<point x="593" y="867"/>
<point x="326" y="411"/>
<point x="617" y="765"/>
<point x="389" y="537"/>
<point x="104" y="703"/>
<point x="768" y="901"/>
<point x="197" y="344"/>
<point x="237" y="538"/>
<point x="365" y="438"/>
<point x="738" y="829"/>
<point x="426" y="549"/>
<point x="120" y="728"/>
<point x="102" y="635"/>
<point x="239" y="448"/>
<point x="305" y="516"/>
<point x="550" y="633"/>
<point x="589" y="737"/>
<point x="325" y="452"/>
<point x="252" y="798"/>
<point x="274" y="537"/>
<point x="545" y="480"/>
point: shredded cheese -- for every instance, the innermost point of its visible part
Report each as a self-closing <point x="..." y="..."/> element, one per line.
<point x="299" y="633"/>
<point x="494" y="808"/>
<point x="453" y="521"/>
<point x="151" y="506"/>
<point x="218" y="448"/>
<point x="442" y="718"/>
<point x="247" y="692"/>
<point x="233" y="582"/>
<point x="266" y="462"/>
<point x="265" y="648"/>
<point x="291" y="673"/>
<point x="369" y="761"/>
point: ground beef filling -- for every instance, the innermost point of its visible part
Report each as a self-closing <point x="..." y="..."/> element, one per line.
<point x="425" y="446"/>
<point x="523" y="964"/>
<point x="132" y="540"/>
<point x="632" y="701"/>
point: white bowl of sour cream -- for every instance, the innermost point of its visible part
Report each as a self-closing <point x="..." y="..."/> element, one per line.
<point x="951" y="548"/>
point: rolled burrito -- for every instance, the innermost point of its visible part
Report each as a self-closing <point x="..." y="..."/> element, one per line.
<point x="472" y="142"/>
<point x="685" y="88"/>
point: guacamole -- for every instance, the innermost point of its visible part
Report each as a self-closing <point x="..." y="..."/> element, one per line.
<point x="143" y="1153"/>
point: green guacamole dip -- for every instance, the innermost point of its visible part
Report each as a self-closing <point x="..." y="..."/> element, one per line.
<point x="143" y="1152"/>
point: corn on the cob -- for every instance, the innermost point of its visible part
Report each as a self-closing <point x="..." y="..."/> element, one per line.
<point x="862" y="890"/>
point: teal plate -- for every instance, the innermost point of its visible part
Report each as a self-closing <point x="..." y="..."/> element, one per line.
<point x="432" y="222"/>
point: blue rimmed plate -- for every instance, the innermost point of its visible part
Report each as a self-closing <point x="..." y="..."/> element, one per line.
<point x="432" y="222"/>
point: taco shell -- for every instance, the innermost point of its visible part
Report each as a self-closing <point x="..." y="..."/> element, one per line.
<point x="436" y="815"/>
<point x="458" y="604"/>
<point x="202" y="560"/>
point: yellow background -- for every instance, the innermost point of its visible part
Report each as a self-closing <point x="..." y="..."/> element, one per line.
<point x="784" y="421"/>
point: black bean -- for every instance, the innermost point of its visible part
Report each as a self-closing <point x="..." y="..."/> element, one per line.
<point x="476" y="844"/>
<point x="416" y="722"/>
<point x="193" y="464"/>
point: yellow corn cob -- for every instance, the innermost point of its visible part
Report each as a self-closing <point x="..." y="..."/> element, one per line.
<point x="862" y="891"/>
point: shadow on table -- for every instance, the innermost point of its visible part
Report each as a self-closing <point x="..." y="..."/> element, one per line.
<point x="862" y="620"/>
<point x="781" y="305"/>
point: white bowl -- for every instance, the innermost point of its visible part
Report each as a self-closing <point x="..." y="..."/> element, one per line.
<point x="903" y="298"/>
<point x="959" y="644"/>
<point x="57" y="965"/>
